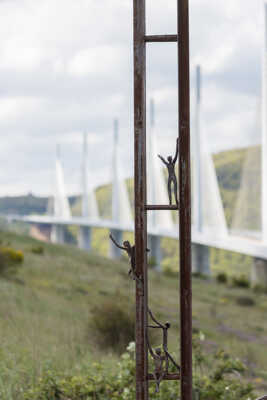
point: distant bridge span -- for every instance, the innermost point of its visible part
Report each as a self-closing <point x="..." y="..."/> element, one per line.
<point x="249" y="246"/>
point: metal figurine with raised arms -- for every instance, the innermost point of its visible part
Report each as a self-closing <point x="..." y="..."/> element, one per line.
<point x="130" y="250"/>
<point x="159" y="359"/>
<point x="164" y="328"/>
<point x="170" y="164"/>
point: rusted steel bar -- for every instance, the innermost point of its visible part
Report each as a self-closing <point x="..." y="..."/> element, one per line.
<point x="185" y="200"/>
<point x="169" y="377"/>
<point x="161" y="207"/>
<point x="140" y="198"/>
<point x="161" y="38"/>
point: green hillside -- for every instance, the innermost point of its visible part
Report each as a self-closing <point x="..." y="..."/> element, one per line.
<point x="47" y="313"/>
<point x="239" y="177"/>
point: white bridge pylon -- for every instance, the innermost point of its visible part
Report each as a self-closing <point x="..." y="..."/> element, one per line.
<point x="208" y="212"/>
<point x="121" y="209"/>
<point x="89" y="203"/>
<point x="61" y="207"/>
<point x="60" y="203"/>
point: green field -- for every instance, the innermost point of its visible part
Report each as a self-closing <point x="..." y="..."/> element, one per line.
<point x="46" y="314"/>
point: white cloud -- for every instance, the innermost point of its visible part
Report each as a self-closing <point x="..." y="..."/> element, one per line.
<point x="95" y="61"/>
<point x="66" y="67"/>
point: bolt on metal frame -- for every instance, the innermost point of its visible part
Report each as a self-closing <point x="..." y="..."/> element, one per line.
<point x="141" y="207"/>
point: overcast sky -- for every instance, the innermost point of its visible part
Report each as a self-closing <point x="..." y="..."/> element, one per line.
<point x="66" y="68"/>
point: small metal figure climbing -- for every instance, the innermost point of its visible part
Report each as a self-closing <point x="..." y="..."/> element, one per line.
<point x="130" y="250"/>
<point x="159" y="360"/>
<point x="164" y="328"/>
<point x="170" y="164"/>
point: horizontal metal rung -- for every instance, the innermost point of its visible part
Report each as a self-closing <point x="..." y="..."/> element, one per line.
<point x="161" y="38"/>
<point x="169" y="377"/>
<point x="161" y="207"/>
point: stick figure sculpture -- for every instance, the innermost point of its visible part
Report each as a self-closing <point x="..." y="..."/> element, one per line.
<point x="164" y="328"/>
<point x="130" y="250"/>
<point x="159" y="359"/>
<point x="170" y="164"/>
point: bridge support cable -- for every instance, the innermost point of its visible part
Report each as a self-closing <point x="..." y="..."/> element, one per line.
<point x="89" y="203"/>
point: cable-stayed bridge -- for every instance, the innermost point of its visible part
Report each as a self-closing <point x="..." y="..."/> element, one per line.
<point x="209" y="225"/>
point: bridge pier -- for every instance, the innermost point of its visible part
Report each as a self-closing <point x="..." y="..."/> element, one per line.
<point x="57" y="234"/>
<point x="200" y="259"/>
<point x="155" y="253"/>
<point x="259" y="272"/>
<point x="85" y="238"/>
<point x="114" y="252"/>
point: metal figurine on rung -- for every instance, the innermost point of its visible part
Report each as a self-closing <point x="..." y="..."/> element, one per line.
<point x="170" y="164"/>
<point x="164" y="329"/>
<point x="159" y="359"/>
<point x="130" y="250"/>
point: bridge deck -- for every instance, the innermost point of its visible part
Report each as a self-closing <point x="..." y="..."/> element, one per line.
<point x="251" y="246"/>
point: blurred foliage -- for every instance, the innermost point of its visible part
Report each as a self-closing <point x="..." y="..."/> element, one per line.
<point x="217" y="376"/>
<point x="37" y="249"/>
<point x="113" y="323"/>
<point x="222" y="277"/>
<point x="10" y="260"/>
<point x="241" y="281"/>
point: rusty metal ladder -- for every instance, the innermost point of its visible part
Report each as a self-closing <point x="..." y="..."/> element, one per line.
<point x="141" y="206"/>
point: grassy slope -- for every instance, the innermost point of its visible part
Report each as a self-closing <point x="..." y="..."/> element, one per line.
<point x="45" y="313"/>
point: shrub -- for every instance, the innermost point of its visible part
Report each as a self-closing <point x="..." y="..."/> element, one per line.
<point x="37" y="250"/>
<point x="199" y="275"/>
<point x="170" y="272"/>
<point x="245" y="301"/>
<point x="241" y="281"/>
<point x="222" y="277"/>
<point x="259" y="288"/>
<point x="113" y="323"/>
<point x="14" y="256"/>
<point x="10" y="260"/>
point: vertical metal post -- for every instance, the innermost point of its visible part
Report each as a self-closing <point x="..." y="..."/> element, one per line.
<point x="185" y="199"/>
<point x="140" y="197"/>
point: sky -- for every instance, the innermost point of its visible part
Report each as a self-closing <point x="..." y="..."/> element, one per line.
<point x="66" y="68"/>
